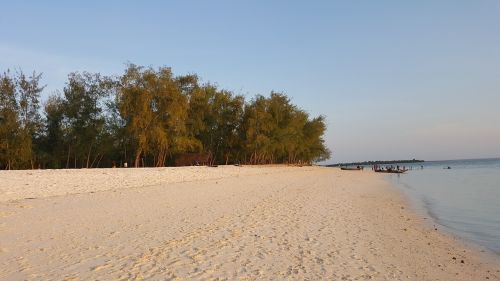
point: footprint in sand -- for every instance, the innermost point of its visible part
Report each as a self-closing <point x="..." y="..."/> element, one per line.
<point x="101" y="267"/>
<point x="25" y="206"/>
<point x="5" y="214"/>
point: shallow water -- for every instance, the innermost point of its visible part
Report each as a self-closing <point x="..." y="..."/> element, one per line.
<point x="465" y="199"/>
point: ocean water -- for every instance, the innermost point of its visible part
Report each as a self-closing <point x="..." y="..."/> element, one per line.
<point x="464" y="199"/>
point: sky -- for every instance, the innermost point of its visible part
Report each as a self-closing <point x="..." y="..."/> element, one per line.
<point x="395" y="79"/>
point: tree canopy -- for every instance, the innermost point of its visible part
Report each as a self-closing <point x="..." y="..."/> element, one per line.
<point x="148" y="117"/>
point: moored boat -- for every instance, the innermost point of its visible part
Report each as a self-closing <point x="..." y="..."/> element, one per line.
<point x="351" y="168"/>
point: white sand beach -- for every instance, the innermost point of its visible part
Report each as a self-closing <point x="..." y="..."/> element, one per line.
<point x="236" y="223"/>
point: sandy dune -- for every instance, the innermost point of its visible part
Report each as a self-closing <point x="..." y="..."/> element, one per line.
<point x="242" y="223"/>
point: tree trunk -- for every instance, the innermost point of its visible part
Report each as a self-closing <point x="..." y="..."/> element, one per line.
<point x="67" y="160"/>
<point x="164" y="159"/>
<point x="253" y="157"/>
<point x="95" y="159"/>
<point x="88" y="154"/>
<point x="99" y="160"/>
<point x="159" y="158"/>
<point x="137" y="161"/>
<point x="125" y="152"/>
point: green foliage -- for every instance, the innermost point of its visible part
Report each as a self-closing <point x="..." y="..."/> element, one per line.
<point x="20" y="122"/>
<point x="54" y="140"/>
<point x="216" y="116"/>
<point x="83" y="117"/>
<point x="155" y="110"/>
<point x="276" y="131"/>
<point x="148" y="117"/>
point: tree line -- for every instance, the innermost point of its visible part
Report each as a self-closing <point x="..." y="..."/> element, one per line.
<point x="147" y="117"/>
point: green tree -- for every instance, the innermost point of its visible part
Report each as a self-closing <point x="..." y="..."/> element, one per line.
<point x="117" y="140"/>
<point x="276" y="131"/>
<point x="83" y="117"/>
<point x="29" y="90"/>
<point x="258" y="125"/>
<point x="53" y="141"/>
<point x="20" y="121"/>
<point x="9" y="122"/>
<point x="314" y="148"/>
<point x="198" y="108"/>
<point x="148" y="116"/>
<point x="226" y="115"/>
<point x="155" y="111"/>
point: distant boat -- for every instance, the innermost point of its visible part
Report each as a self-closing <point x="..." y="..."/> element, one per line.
<point x="351" y="168"/>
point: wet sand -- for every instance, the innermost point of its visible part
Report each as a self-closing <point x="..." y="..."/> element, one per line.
<point x="246" y="223"/>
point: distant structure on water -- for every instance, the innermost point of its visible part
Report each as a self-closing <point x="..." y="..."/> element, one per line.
<point x="378" y="162"/>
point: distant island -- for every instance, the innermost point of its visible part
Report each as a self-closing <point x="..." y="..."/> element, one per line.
<point x="378" y="162"/>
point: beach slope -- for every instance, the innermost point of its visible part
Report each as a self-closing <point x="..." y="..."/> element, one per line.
<point x="228" y="222"/>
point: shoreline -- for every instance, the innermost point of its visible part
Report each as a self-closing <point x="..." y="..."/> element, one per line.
<point x="431" y="222"/>
<point x="232" y="222"/>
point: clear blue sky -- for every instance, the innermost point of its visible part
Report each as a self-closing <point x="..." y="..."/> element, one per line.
<point x="396" y="79"/>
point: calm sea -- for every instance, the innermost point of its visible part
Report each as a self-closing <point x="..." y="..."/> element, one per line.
<point x="464" y="199"/>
